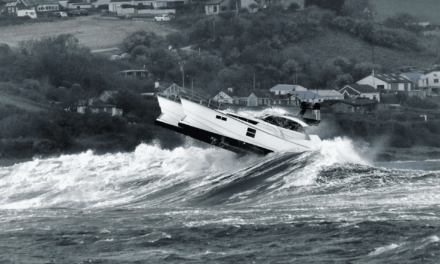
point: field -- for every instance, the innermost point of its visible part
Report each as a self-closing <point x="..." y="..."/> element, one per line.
<point x="92" y="32"/>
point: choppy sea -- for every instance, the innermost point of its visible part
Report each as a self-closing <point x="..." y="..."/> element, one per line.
<point x="207" y="205"/>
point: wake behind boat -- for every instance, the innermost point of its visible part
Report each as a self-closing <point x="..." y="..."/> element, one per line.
<point x="216" y="124"/>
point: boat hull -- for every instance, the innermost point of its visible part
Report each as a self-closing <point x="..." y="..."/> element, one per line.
<point x="238" y="130"/>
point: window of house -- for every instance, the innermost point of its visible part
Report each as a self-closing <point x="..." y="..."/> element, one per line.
<point x="374" y="97"/>
<point x="381" y="87"/>
<point x="394" y="86"/>
<point x="435" y="80"/>
<point x="209" y="9"/>
<point x="215" y="9"/>
<point x="406" y="87"/>
<point x="223" y="8"/>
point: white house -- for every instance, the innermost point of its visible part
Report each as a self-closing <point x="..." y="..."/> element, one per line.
<point x="389" y="82"/>
<point x="39" y="6"/>
<point x="414" y="77"/>
<point x="213" y="7"/>
<point x="143" y="6"/>
<point x="430" y="82"/>
<point x="351" y="91"/>
<point x="247" y="98"/>
<point x="329" y="94"/>
<point x="280" y="89"/>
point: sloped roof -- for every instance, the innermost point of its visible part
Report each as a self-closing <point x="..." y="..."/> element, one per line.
<point x="247" y="93"/>
<point x="302" y="95"/>
<point x="40" y="2"/>
<point x="214" y="2"/>
<point x="327" y="93"/>
<point x="100" y="104"/>
<point x="286" y="87"/>
<point x="358" y="102"/>
<point x="359" y="88"/>
<point x="391" y="78"/>
<point x="412" y="75"/>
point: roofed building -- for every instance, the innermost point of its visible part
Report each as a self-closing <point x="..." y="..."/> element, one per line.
<point x="286" y="88"/>
<point x="387" y="82"/>
<point x="37" y="5"/>
<point x="247" y="98"/>
<point x="352" y="91"/>
<point x="358" y="106"/>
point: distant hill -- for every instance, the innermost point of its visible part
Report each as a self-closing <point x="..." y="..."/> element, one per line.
<point x="331" y="44"/>
<point x="425" y="10"/>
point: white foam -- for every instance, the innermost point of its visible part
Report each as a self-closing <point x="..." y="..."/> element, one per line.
<point x="381" y="250"/>
<point x="88" y="180"/>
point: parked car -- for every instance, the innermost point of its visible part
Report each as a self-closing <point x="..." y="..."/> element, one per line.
<point x="78" y="12"/>
<point x="164" y="17"/>
<point x="125" y="16"/>
<point x="115" y="57"/>
<point x="59" y="14"/>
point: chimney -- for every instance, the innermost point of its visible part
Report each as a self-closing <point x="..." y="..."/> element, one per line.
<point x="156" y="84"/>
<point x="230" y="89"/>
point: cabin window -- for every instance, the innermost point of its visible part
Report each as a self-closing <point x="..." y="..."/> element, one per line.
<point x="244" y="119"/>
<point x="221" y="118"/>
<point x="251" y="132"/>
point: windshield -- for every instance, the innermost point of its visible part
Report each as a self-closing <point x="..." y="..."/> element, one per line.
<point x="284" y="123"/>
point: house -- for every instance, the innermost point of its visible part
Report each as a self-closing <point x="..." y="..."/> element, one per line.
<point x="387" y="82"/>
<point x="37" y="5"/>
<point x="136" y="6"/>
<point x="138" y="73"/>
<point x="430" y="82"/>
<point x="359" y="106"/>
<point x="296" y="97"/>
<point x="213" y="7"/>
<point x="414" y="77"/>
<point x="246" y="98"/>
<point x="172" y="90"/>
<point x="286" y="88"/>
<point x="100" y="104"/>
<point x="107" y="96"/>
<point x="353" y="91"/>
<point x="79" y="4"/>
<point x="329" y="94"/>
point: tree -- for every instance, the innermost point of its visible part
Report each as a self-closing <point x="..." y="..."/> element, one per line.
<point x="334" y="5"/>
<point x="140" y="38"/>
<point x="293" y="7"/>
<point x="358" y="9"/>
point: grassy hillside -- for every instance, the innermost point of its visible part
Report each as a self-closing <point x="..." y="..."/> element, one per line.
<point x="6" y="99"/>
<point x="333" y="43"/>
<point x="425" y="10"/>
<point x="92" y="32"/>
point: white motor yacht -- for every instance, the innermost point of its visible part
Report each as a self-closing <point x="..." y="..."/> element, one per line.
<point x="236" y="132"/>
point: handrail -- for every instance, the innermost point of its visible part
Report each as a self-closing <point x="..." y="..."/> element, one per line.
<point x="195" y="97"/>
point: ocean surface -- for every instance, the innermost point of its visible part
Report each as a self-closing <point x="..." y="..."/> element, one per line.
<point x="208" y="205"/>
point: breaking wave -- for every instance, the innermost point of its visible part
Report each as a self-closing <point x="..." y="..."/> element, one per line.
<point x="335" y="176"/>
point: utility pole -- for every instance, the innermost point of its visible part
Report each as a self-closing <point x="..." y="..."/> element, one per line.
<point x="182" y="64"/>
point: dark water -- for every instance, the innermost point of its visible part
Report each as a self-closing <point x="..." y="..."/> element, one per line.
<point x="194" y="205"/>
